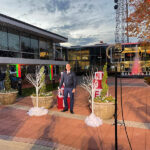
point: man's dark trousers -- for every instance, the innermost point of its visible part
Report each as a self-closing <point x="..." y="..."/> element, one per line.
<point x="66" y="91"/>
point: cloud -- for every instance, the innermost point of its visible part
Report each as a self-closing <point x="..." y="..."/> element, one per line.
<point x="83" y="22"/>
<point x="57" y="5"/>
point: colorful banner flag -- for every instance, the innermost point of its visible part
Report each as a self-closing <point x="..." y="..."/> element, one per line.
<point x="18" y="70"/>
<point x="51" y="72"/>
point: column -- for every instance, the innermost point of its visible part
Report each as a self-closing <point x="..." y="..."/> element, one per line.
<point x="54" y="51"/>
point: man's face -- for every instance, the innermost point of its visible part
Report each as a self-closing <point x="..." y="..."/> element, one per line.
<point x="68" y="67"/>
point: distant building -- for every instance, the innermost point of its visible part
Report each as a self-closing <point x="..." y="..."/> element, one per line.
<point x="84" y="58"/>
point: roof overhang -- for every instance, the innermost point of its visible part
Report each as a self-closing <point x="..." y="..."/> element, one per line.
<point x="87" y="46"/>
<point x="8" y="21"/>
<point x="8" y="60"/>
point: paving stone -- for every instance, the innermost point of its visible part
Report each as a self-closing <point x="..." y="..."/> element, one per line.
<point x="59" y="130"/>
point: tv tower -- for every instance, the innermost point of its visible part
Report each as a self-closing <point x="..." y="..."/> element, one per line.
<point x="121" y="32"/>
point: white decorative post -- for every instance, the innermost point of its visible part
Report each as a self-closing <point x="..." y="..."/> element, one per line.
<point x="92" y="120"/>
<point x="92" y="95"/>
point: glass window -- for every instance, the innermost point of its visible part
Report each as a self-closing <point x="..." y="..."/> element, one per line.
<point x="3" y="38"/>
<point x="93" y="60"/>
<point x="97" y="51"/>
<point x="50" y="49"/>
<point x="60" y="53"/>
<point x="27" y="55"/>
<point x="57" y="55"/>
<point x="84" y="65"/>
<point x="85" y="54"/>
<point x="78" y="54"/>
<point x="92" y="52"/>
<point x="103" y="56"/>
<point x="4" y="53"/>
<point x="129" y="56"/>
<point x="13" y="54"/>
<point x="65" y="53"/>
<point x="26" y="43"/>
<point x="42" y="45"/>
<point x="13" y="40"/>
<point x="44" y="53"/>
<point x="72" y="64"/>
<point x="72" y="55"/>
<point x="9" y="54"/>
<point x="147" y="56"/>
<point x="34" y="45"/>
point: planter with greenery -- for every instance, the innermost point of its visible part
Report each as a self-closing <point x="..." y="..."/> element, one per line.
<point x="8" y="95"/>
<point x="104" y="105"/>
<point x="42" y="98"/>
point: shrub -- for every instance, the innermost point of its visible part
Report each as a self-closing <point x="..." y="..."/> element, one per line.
<point x="7" y="81"/>
<point x="43" y="88"/>
<point x="104" y="82"/>
<point x="104" y="98"/>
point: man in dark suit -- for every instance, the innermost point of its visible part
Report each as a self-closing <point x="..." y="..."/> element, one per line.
<point x="69" y="80"/>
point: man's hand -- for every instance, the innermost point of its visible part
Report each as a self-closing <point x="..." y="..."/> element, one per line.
<point x="73" y="91"/>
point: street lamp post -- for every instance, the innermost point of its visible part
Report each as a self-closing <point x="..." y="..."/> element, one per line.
<point x="100" y="62"/>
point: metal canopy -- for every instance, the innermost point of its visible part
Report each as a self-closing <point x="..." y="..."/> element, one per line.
<point x="8" y="60"/>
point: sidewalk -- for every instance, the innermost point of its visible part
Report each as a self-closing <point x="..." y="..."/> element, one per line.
<point x="65" y="131"/>
<point x="13" y="145"/>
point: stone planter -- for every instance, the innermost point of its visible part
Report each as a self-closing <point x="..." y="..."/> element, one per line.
<point x="104" y="110"/>
<point x="8" y="98"/>
<point x="45" y="101"/>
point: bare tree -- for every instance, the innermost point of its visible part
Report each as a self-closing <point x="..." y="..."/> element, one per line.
<point x="37" y="80"/>
<point x="87" y="81"/>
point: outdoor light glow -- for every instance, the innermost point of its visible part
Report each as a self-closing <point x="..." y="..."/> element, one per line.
<point x="51" y="72"/>
<point x="136" y="69"/>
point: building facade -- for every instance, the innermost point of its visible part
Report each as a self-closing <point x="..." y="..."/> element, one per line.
<point x="25" y="44"/>
<point x="85" y="58"/>
<point x="124" y="57"/>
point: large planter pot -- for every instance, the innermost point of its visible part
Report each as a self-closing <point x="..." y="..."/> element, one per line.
<point x="45" y="101"/>
<point x="8" y="98"/>
<point x="104" y="110"/>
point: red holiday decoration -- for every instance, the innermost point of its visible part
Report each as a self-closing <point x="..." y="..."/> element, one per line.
<point x="136" y="69"/>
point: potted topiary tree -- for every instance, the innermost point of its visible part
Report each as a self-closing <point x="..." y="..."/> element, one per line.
<point x="42" y="98"/>
<point x="8" y="95"/>
<point x="104" y="105"/>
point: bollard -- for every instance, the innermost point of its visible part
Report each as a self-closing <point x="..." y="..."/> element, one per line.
<point x="53" y="83"/>
<point x="19" y="87"/>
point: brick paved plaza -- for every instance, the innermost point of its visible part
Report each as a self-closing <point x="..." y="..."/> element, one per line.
<point x="64" y="131"/>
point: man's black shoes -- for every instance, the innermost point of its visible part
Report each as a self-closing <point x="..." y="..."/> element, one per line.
<point x="67" y="110"/>
<point x="64" y="110"/>
<point x="71" y="112"/>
